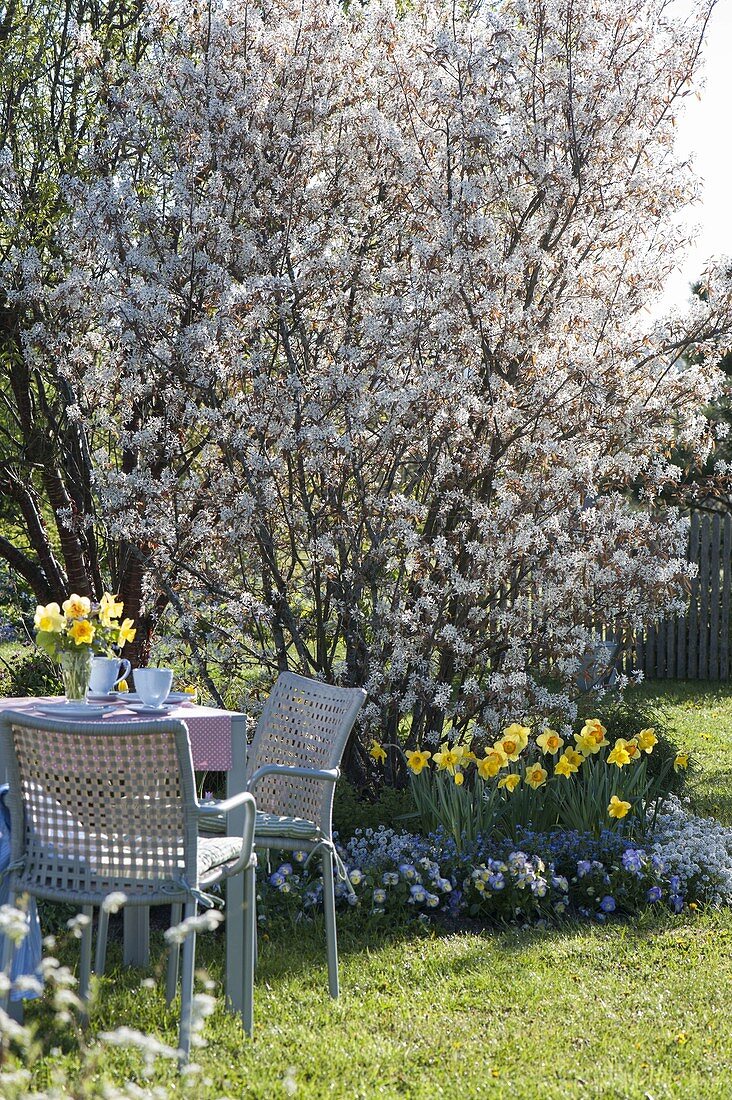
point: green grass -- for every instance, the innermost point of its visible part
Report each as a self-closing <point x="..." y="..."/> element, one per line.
<point x="700" y="715"/>
<point x="626" y="1010"/>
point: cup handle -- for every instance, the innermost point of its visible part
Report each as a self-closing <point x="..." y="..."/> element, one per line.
<point x="127" y="668"/>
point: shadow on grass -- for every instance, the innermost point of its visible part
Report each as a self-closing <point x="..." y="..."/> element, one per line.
<point x="287" y="951"/>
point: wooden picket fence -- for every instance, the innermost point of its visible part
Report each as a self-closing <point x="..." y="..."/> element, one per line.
<point x="695" y="645"/>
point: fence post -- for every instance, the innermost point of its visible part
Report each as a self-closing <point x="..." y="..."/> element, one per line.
<point x="706" y="536"/>
<point x="693" y="666"/>
<point x="724" y="626"/>
<point x="714" y="600"/>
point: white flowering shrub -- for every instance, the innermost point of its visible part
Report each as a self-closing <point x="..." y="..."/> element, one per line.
<point x="358" y="323"/>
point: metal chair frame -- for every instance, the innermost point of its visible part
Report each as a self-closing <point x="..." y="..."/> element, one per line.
<point x="293" y="765"/>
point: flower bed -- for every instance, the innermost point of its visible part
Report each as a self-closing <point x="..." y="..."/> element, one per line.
<point x="541" y="877"/>
<point x="540" y="778"/>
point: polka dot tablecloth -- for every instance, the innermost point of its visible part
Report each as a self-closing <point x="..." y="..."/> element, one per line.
<point x="210" y="730"/>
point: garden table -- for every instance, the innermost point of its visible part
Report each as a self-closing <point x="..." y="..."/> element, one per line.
<point x="218" y="743"/>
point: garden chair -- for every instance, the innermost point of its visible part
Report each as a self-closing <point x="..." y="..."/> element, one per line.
<point x="100" y="808"/>
<point x="292" y="767"/>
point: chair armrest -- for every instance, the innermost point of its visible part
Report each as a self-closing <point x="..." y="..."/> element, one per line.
<point x="326" y="775"/>
<point x="212" y="809"/>
<point x="245" y="799"/>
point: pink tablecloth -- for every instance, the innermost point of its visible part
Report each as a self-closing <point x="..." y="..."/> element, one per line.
<point x="210" y="730"/>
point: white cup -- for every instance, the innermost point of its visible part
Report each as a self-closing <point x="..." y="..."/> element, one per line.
<point x="153" y="684"/>
<point x="105" y="674"/>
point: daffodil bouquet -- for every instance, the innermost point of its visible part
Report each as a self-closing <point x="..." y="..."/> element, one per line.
<point x="74" y="632"/>
<point x="78" y="623"/>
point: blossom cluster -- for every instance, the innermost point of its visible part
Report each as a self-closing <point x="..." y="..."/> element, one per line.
<point x="699" y="850"/>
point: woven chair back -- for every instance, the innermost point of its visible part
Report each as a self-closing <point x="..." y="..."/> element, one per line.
<point x="304" y="723"/>
<point x="100" y="808"/>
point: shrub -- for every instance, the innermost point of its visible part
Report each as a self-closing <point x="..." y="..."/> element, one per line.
<point x="392" y="807"/>
<point x="625" y="717"/>
<point x="30" y="672"/>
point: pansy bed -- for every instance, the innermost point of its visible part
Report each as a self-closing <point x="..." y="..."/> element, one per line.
<point x="538" y="878"/>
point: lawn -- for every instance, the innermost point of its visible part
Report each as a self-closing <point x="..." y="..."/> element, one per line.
<point x="623" y="1010"/>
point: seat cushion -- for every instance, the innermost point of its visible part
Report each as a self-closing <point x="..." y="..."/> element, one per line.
<point x="274" y="825"/>
<point x="215" y="851"/>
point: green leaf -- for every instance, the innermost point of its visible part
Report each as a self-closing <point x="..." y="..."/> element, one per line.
<point x="48" y="642"/>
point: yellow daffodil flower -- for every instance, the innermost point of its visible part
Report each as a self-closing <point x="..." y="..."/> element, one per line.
<point x="378" y="752"/>
<point x="513" y="741"/>
<point x="82" y="631"/>
<point x="647" y="739"/>
<point x="126" y="632"/>
<point x="510" y="782"/>
<point x="536" y="776"/>
<point x="77" y="607"/>
<point x="459" y="779"/>
<point x="417" y="760"/>
<point x="122" y="686"/>
<point x="110" y="609"/>
<point x="681" y="761"/>
<point x="518" y="733"/>
<point x="564" y="766"/>
<point x="491" y="764"/>
<point x="49" y="618"/>
<point x="549" y="741"/>
<point x="591" y="737"/>
<point x="189" y="689"/>
<point x="586" y="743"/>
<point x="617" y="807"/>
<point x="447" y="759"/>
<point x="619" y="754"/>
<point x="574" y="757"/>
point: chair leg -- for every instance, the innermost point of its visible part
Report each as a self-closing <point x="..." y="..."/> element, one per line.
<point x="86" y="954"/>
<point x="101" y="953"/>
<point x="250" y="947"/>
<point x="186" y="991"/>
<point x="330" y="923"/>
<point x="171" y="981"/>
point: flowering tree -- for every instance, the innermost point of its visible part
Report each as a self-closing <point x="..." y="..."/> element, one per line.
<point x="55" y="61"/>
<point x="364" y="298"/>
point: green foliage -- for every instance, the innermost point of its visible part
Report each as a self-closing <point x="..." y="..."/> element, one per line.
<point x="393" y="807"/>
<point x="16" y="601"/>
<point x="28" y="671"/>
<point x="476" y="808"/>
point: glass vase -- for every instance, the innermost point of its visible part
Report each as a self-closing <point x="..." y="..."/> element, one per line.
<point x="75" y="672"/>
